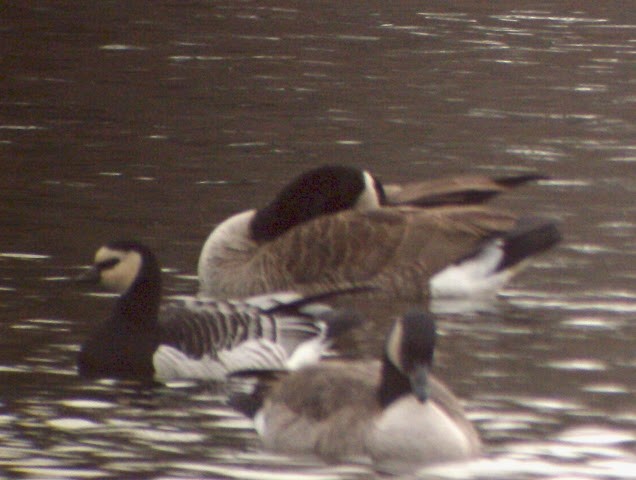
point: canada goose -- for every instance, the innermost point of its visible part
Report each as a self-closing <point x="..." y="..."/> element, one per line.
<point x="393" y="411"/>
<point x="337" y="225"/>
<point x="198" y="339"/>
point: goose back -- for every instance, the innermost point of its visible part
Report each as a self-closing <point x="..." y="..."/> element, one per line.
<point x="394" y="249"/>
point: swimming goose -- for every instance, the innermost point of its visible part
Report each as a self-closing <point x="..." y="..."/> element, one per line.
<point x="197" y="339"/>
<point x="337" y="225"/>
<point x="394" y="411"/>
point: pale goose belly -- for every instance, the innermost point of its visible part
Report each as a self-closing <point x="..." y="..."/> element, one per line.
<point x="410" y="434"/>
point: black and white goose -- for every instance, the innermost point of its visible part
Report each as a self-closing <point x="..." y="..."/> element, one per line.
<point x="196" y="339"/>
<point x="337" y="225"/>
<point x="394" y="411"/>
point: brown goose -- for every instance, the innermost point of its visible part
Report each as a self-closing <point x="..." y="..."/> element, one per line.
<point x="337" y="225"/>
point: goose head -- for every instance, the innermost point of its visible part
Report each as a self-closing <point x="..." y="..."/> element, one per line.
<point x="120" y="265"/>
<point x="408" y="357"/>
<point x="320" y="191"/>
<point x="123" y="345"/>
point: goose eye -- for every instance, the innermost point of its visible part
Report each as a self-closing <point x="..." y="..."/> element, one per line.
<point x="106" y="264"/>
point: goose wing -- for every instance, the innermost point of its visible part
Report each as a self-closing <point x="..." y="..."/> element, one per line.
<point x="323" y="409"/>
<point x="376" y="247"/>
<point x="316" y="392"/>
<point x="209" y="339"/>
<point x="463" y="190"/>
<point x="208" y="327"/>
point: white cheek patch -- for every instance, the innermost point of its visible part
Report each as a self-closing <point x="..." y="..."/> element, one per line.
<point x="369" y="199"/>
<point x="393" y="345"/>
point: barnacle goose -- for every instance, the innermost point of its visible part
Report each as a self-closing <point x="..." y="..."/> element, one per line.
<point x="197" y="338"/>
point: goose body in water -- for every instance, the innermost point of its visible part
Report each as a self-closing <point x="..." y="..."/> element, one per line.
<point x="394" y="412"/>
<point x="195" y="338"/>
<point x="337" y="225"/>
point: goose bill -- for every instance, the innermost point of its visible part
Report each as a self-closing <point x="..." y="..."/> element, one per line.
<point x="419" y="382"/>
<point x="91" y="275"/>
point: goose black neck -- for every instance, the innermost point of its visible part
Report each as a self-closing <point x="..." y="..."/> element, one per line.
<point x="139" y="305"/>
<point x="393" y="384"/>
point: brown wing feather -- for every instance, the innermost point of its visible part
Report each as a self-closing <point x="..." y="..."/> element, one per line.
<point x="319" y="391"/>
<point x="325" y="409"/>
<point x="395" y="248"/>
<point x="468" y="189"/>
<point x="345" y="248"/>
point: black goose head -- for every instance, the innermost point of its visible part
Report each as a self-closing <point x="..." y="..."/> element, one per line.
<point x="408" y="357"/>
<point x="323" y="190"/>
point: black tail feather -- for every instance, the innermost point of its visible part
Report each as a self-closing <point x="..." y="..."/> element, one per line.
<point x="341" y="321"/>
<point x="246" y="403"/>
<point x="530" y="236"/>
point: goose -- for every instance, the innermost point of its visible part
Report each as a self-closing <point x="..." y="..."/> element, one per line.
<point x="394" y="412"/>
<point x="335" y="225"/>
<point x="194" y="338"/>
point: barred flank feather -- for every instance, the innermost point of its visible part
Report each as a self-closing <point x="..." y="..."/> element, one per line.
<point x="200" y="328"/>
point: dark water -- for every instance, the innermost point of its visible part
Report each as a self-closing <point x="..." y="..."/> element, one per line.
<point x="156" y="120"/>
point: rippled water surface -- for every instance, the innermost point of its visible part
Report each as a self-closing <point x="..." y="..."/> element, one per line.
<point x="156" y="120"/>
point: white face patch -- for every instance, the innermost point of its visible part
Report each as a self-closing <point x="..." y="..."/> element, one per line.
<point x="120" y="276"/>
<point x="369" y="198"/>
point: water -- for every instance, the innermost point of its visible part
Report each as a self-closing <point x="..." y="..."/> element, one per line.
<point x="155" y="121"/>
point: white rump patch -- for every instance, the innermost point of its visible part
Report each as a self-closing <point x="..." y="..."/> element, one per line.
<point x="308" y="353"/>
<point x="475" y="276"/>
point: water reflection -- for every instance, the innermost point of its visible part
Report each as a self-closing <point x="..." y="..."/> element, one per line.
<point x="119" y="120"/>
